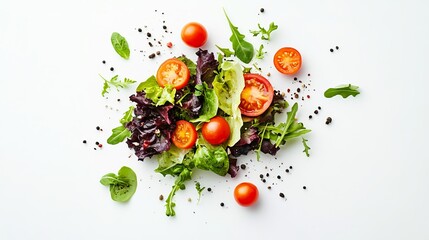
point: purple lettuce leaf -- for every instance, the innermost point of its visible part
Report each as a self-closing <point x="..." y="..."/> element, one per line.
<point x="233" y="168"/>
<point x="249" y="141"/>
<point x="206" y="66"/>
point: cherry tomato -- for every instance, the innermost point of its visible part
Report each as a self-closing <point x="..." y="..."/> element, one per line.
<point x="287" y="60"/>
<point x="185" y="135"/>
<point x="194" y="34"/>
<point x="216" y="131"/>
<point x="256" y="96"/>
<point x="173" y="72"/>
<point x="246" y="194"/>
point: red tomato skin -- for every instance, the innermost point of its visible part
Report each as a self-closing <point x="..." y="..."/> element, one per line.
<point x="246" y="194"/>
<point x="216" y="131"/>
<point x="194" y="34"/>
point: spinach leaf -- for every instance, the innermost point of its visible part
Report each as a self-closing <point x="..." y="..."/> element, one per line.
<point x="120" y="45"/>
<point x="116" y="83"/>
<point x="226" y="52"/>
<point x="120" y="133"/>
<point x="306" y="147"/>
<point x="343" y="90"/>
<point x="265" y="34"/>
<point x="243" y="49"/>
<point x="184" y="176"/>
<point x="122" y="186"/>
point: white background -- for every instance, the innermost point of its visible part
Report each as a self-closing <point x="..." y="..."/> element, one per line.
<point x="367" y="176"/>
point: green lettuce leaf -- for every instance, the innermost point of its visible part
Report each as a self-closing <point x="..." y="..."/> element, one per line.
<point x="156" y="93"/>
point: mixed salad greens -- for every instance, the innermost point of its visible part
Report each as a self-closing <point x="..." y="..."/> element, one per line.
<point x="204" y="114"/>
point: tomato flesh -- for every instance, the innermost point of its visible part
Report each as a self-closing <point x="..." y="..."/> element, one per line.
<point x="185" y="135"/>
<point x="173" y="72"/>
<point x="287" y="60"/>
<point x="216" y="131"/>
<point x="246" y="194"/>
<point x="256" y="96"/>
<point x="194" y="34"/>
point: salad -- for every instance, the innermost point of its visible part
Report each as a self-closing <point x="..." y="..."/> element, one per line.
<point x="203" y="113"/>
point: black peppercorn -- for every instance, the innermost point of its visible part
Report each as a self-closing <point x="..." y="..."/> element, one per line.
<point x="84" y="141"/>
<point x="262" y="10"/>
<point x="332" y="50"/>
<point x="148" y="34"/>
<point x="281" y="195"/>
<point x="243" y="166"/>
<point x="209" y="189"/>
<point x="111" y="69"/>
<point x="140" y="30"/>
<point x="222" y="204"/>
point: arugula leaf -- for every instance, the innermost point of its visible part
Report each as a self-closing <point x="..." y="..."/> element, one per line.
<point x="306" y="147"/>
<point x="265" y="34"/>
<point x="199" y="189"/>
<point x="343" y="90"/>
<point x="119" y="134"/>
<point x="156" y="93"/>
<point x="290" y="119"/>
<point x="122" y="186"/>
<point x="226" y="52"/>
<point x="120" y="45"/>
<point x="243" y="49"/>
<point x="184" y="176"/>
<point x="190" y="64"/>
<point x="211" y="103"/>
<point x="260" y="53"/>
<point x="116" y="83"/>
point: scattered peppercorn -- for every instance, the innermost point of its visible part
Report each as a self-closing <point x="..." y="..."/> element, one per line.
<point x="261" y="175"/>
<point x="319" y="108"/>
<point x="298" y="89"/>
<point x="262" y="10"/>
<point x="161" y="197"/>
<point x="150" y="44"/>
<point x="287" y="170"/>
<point x="164" y="27"/>
<point x="295" y="78"/>
<point x="268" y="74"/>
<point x="308" y="74"/>
<point x="336" y="47"/>
<point x="98" y="128"/>
<point x="268" y="175"/>
<point x="310" y="117"/>
<point x="332" y="50"/>
<point x="290" y="167"/>
<point x="328" y="120"/>
<point x="119" y="100"/>
<point x="111" y="69"/>
<point x="269" y="187"/>
<point x="222" y="204"/>
<point x="281" y="195"/>
<point x="279" y="177"/>
<point x="140" y="30"/>
<point x="264" y="181"/>
<point x="296" y="95"/>
<point x="152" y="56"/>
<point x="158" y="52"/>
<point x="304" y="187"/>
<point x="316" y="112"/>
<point x="96" y="143"/>
<point x="104" y="61"/>
<point x="84" y="141"/>
<point x="148" y="34"/>
<point x="209" y="189"/>
<point x="243" y="166"/>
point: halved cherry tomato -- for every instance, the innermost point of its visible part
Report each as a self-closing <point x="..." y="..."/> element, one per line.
<point x="185" y="134"/>
<point x="216" y="131"/>
<point x="246" y="194"/>
<point x="287" y="60"/>
<point x="173" y="72"/>
<point x="256" y="96"/>
<point x="194" y="34"/>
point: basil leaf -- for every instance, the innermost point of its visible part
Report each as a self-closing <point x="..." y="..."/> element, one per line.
<point x="243" y="49"/>
<point x="122" y="186"/>
<point x="343" y="90"/>
<point x="120" y="45"/>
<point x="118" y="135"/>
